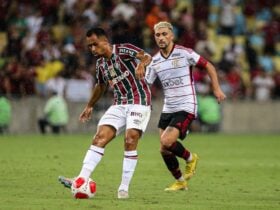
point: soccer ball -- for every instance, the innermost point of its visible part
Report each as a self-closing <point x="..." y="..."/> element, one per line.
<point x="83" y="189"/>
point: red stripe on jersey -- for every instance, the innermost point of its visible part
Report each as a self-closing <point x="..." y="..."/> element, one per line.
<point x="133" y="86"/>
<point x="202" y="62"/>
<point x="147" y="91"/>
<point x="193" y="90"/>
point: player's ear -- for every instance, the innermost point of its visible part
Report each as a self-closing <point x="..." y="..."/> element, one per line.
<point x="104" y="38"/>
<point x="172" y="36"/>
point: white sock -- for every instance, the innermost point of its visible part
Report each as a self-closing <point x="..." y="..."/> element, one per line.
<point x="91" y="160"/>
<point x="190" y="158"/>
<point x="129" y="165"/>
<point x="181" y="179"/>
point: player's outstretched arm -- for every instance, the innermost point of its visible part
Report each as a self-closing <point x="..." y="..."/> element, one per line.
<point x="97" y="92"/>
<point x="145" y="60"/>
<point x="219" y="94"/>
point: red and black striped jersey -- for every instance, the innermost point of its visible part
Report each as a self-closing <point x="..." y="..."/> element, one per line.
<point x="119" y="72"/>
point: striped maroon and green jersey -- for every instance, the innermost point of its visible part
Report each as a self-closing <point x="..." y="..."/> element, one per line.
<point x="119" y="73"/>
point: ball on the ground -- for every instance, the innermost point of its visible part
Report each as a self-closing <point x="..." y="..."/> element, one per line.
<point x="83" y="189"/>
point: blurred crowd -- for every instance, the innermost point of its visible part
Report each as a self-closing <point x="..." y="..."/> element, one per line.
<point x="42" y="42"/>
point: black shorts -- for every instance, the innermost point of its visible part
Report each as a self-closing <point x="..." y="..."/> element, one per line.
<point x="180" y="120"/>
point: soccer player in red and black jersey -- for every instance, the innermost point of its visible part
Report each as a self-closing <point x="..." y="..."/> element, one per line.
<point x="173" y="66"/>
<point x="116" y="66"/>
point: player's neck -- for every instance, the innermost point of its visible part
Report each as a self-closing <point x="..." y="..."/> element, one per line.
<point x="166" y="52"/>
<point x="109" y="52"/>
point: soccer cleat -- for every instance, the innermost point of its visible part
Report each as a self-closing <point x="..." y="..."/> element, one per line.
<point x="122" y="194"/>
<point x="67" y="182"/>
<point x="178" y="185"/>
<point x="191" y="167"/>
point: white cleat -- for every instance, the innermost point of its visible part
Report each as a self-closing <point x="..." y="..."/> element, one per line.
<point x="122" y="194"/>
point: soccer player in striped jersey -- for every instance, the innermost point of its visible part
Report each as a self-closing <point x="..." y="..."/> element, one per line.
<point x="116" y="67"/>
<point x="173" y="66"/>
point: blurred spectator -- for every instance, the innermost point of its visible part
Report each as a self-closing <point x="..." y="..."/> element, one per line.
<point x="251" y="55"/>
<point x="231" y="55"/>
<point x="227" y="17"/>
<point x="124" y="10"/>
<point x="276" y="78"/>
<point x="56" y="84"/>
<point x="263" y="86"/>
<point x="55" y="114"/>
<point x="266" y="62"/>
<point x="227" y="32"/>
<point x="154" y="16"/>
<point x="5" y="113"/>
<point x="44" y="72"/>
<point x="235" y="82"/>
<point x="209" y="112"/>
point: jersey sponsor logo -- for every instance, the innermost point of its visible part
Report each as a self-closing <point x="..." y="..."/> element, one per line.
<point x="112" y="71"/>
<point x="119" y="78"/>
<point x="156" y="60"/>
<point x="127" y="51"/>
<point x="192" y="61"/>
<point x="175" y="54"/>
<point x="173" y="82"/>
<point x="136" y="122"/>
<point x="136" y="114"/>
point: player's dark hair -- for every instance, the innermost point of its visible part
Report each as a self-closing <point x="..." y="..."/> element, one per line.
<point x="97" y="31"/>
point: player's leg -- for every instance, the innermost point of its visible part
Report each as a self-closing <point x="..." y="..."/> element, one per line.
<point x="129" y="161"/>
<point x="108" y="127"/>
<point x="181" y="122"/>
<point x="168" y="137"/>
<point x="42" y="123"/>
<point x="55" y="129"/>
<point x="104" y="135"/>
<point x="137" y="119"/>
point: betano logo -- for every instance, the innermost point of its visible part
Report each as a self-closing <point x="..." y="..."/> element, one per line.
<point x="120" y="77"/>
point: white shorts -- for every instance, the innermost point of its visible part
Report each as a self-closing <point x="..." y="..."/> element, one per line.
<point x="123" y="117"/>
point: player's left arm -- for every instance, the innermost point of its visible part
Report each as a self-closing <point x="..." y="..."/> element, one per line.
<point x="145" y="60"/>
<point x="211" y="70"/>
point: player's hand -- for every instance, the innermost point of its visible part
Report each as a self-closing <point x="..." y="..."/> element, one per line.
<point x="140" y="71"/>
<point x="220" y="96"/>
<point x="86" y="114"/>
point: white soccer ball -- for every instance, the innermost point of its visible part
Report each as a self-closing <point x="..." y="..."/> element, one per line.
<point x="83" y="189"/>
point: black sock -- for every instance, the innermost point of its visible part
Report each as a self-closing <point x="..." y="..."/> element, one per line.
<point x="179" y="150"/>
<point x="172" y="164"/>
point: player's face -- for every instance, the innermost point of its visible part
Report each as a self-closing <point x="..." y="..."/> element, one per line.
<point x="97" y="45"/>
<point x="164" y="37"/>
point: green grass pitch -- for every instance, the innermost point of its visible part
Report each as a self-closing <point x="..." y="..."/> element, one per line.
<point x="234" y="172"/>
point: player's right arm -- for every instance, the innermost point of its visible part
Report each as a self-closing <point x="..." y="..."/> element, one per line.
<point x="97" y="92"/>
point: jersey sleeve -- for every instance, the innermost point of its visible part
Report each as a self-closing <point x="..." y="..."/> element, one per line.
<point x="128" y="50"/>
<point x="194" y="59"/>
<point x="150" y="75"/>
<point x="99" y="75"/>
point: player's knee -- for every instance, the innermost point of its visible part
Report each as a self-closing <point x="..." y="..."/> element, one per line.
<point x="131" y="143"/>
<point x="163" y="151"/>
<point x="100" y="140"/>
<point x="165" y="142"/>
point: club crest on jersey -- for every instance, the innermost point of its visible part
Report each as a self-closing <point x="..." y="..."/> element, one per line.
<point x="112" y="71"/>
<point x="175" y="63"/>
